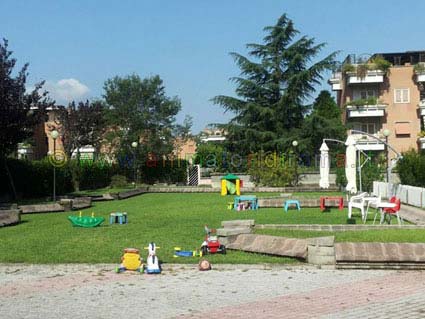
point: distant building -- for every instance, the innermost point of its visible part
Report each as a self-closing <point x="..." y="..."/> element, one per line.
<point x="213" y="133"/>
<point x="374" y="100"/>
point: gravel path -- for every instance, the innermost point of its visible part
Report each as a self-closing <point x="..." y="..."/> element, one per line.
<point x="228" y="291"/>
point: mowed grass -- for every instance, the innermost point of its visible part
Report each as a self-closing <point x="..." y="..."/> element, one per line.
<point x="169" y="220"/>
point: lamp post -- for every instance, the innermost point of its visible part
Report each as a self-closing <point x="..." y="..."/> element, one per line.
<point x="295" y="144"/>
<point x="387" y="133"/>
<point x="54" y="134"/>
<point x="134" y="146"/>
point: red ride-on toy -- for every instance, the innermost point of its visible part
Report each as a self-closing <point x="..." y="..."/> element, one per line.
<point x="211" y="244"/>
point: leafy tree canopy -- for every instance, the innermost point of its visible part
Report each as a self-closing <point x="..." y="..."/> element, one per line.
<point x="324" y="122"/>
<point x="272" y="89"/>
<point x="20" y="111"/>
<point x="81" y="124"/>
<point x="142" y="112"/>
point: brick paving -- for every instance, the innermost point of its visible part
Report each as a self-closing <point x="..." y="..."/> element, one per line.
<point x="397" y="295"/>
<point x="229" y="291"/>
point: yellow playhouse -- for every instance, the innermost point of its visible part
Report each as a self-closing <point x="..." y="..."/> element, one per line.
<point x="230" y="185"/>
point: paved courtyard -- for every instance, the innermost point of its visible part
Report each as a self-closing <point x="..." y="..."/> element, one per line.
<point x="94" y="291"/>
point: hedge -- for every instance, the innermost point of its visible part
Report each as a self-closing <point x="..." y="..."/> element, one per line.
<point x="411" y="169"/>
<point x="35" y="178"/>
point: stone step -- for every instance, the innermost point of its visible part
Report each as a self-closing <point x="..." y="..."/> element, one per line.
<point x="238" y="223"/>
<point x="224" y="232"/>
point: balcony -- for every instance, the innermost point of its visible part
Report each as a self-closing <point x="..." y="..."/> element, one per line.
<point x="371" y="76"/>
<point x="420" y="77"/>
<point x="25" y="151"/>
<point x="421" y="142"/>
<point x="367" y="143"/>
<point x="335" y="81"/>
<point x="365" y="108"/>
<point x="420" y="72"/>
<point x="422" y="107"/>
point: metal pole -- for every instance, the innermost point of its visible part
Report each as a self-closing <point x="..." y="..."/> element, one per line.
<point x="54" y="170"/>
<point x="386" y="159"/>
<point x="360" y="172"/>
<point x="134" y="168"/>
<point x="388" y="168"/>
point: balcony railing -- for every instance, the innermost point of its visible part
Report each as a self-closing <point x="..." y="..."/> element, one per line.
<point x="366" y="143"/>
<point x="336" y="81"/>
<point x="420" y="71"/>
<point x="421" y="142"/>
<point x="422" y="107"/>
<point x="366" y="110"/>
<point x="371" y="76"/>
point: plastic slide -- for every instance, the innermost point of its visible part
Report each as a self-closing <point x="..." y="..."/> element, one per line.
<point x="231" y="188"/>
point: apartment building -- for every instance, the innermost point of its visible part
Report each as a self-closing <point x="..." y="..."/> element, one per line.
<point x="383" y="93"/>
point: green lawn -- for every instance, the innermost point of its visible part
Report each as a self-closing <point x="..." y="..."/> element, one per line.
<point x="169" y="220"/>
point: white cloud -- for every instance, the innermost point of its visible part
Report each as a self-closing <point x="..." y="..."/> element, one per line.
<point x="66" y="90"/>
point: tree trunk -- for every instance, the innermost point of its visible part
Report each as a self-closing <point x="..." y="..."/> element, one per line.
<point x="12" y="184"/>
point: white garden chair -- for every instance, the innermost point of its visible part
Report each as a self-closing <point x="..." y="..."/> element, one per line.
<point x="357" y="201"/>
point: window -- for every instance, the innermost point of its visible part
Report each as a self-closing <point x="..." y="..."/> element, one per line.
<point x="364" y="94"/>
<point x="401" y="96"/>
<point x="365" y="127"/>
<point x="367" y="94"/>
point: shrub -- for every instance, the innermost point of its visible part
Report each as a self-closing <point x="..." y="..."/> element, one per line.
<point x="348" y="68"/>
<point x="273" y="172"/>
<point x="411" y="168"/>
<point x="118" y="181"/>
<point x="378" y="62"/>
<point x="341" y="179"/>
<point x="370" y="172"/>
<point x="35" y="178"/>
<point x="95" y="174"/>
<point x="167" y="171"/>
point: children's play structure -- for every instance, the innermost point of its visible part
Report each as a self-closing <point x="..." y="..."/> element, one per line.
<point x="245" y="202"/>
<point x="86" y="221"/>
<point x="118" y="218"/>
<point x="211" y="244"/>
<point x="230" y="185"/>
<point x="131" y="260"/>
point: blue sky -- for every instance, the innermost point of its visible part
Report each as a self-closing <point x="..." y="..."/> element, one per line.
<point x="76" y="45"/>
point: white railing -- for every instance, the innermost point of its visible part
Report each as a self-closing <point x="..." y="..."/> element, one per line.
<point x="410" y="195"/>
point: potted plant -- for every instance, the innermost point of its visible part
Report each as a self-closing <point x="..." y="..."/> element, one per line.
<point x="419" y="68"/>
<point x="379" y="63"/>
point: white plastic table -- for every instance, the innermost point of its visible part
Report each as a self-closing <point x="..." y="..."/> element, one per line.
<point x="381" y="207"/>
<point x="369" y="200"/>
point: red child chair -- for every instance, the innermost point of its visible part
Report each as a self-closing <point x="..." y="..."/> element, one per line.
<point x="395" y="210"/>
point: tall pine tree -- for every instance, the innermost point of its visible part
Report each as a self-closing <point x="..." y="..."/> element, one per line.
<point x="273" y="88"/>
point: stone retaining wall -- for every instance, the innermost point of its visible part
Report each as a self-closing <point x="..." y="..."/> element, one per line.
<point x="9" y="217"/>
<point x="41" y="208"/>
<point x="304" y="202"/>
<point x="380" y="252"/>
<point x="324" y="250"/>
<point x="331" y="228"/>
<point x="244" y="189"/>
